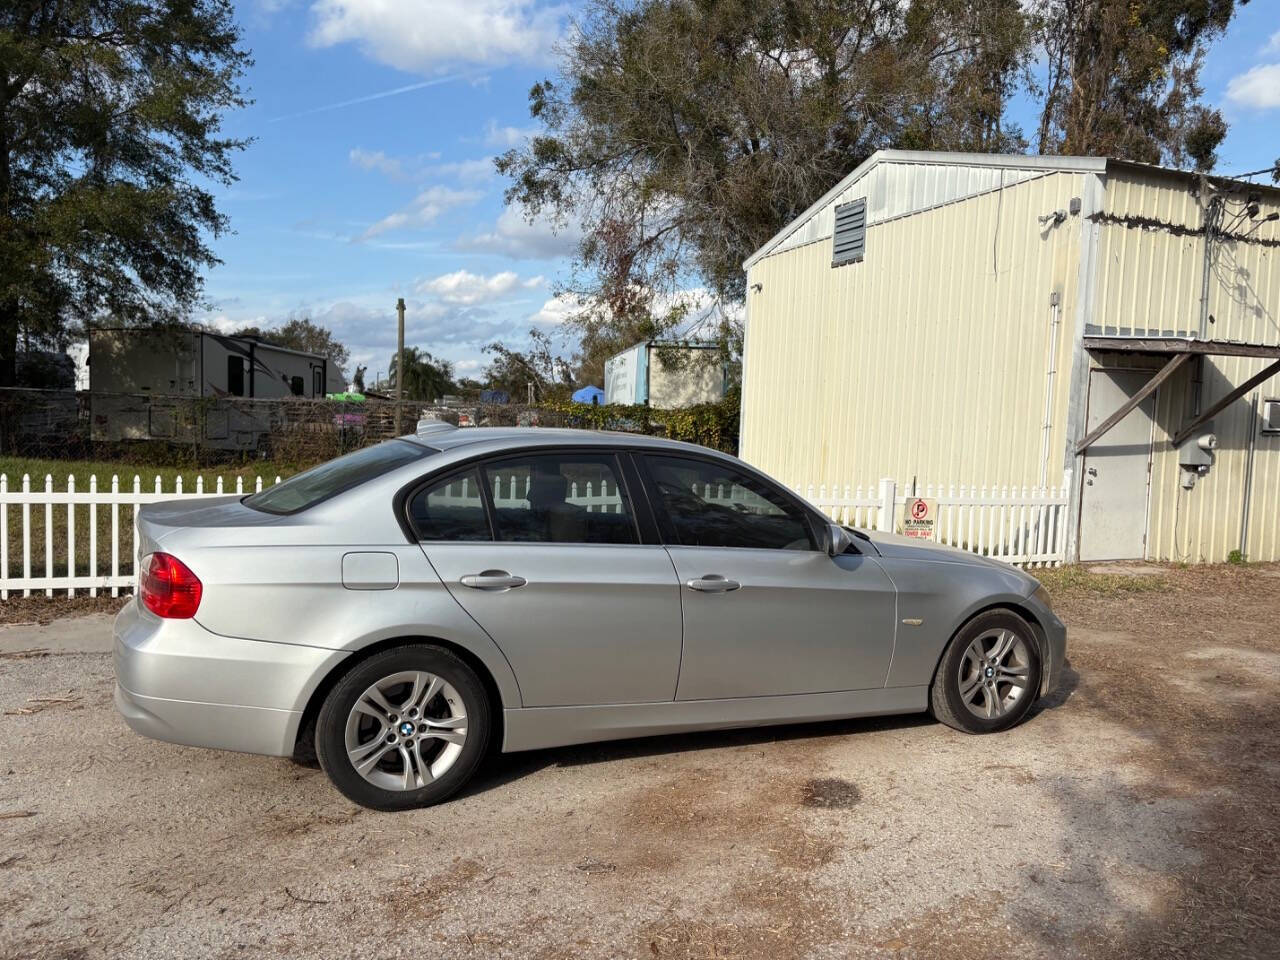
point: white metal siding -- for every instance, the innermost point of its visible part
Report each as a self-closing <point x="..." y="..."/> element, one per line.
<point x="1149" y="284"/>
<point x="1150" y="276"/>
<point x="1203" y="524"/>
<point x="929" y="358"/>
<point x="698" y="379"/>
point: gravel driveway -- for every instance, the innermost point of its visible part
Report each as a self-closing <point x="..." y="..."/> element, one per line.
<point x="1137" y="814"/>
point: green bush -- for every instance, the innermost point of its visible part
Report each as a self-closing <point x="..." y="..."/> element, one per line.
<point x="709" y="424"/>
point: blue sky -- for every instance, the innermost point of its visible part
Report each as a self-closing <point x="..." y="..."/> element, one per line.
<point x="372" y="178"/>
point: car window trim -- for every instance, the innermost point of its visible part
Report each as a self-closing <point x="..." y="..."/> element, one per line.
<point x="641" y="501"/>
<point x="400" y="502"/>
<point x="667" y="525"/>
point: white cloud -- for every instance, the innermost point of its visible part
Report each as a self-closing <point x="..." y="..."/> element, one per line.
<point x="426" y="207"/>
<point x="464" y="287"/>
<point x="378" y="161"/>
<point x="1273" y="45"/>
<point x="422" y="166"/>
<point x="514" y="236"/>
<point x="556" y="310"/>
<point x="467" y="171"/>
<point x="425" y="35"/>
<point x="1258" y="88"/>
<point x="507" y="137"/>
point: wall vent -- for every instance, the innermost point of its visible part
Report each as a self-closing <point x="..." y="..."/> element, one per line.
<point x="849" y="241"/>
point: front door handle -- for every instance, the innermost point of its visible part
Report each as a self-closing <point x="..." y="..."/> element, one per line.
<point x="492" y="580"/>
<point x="712" y="583"/>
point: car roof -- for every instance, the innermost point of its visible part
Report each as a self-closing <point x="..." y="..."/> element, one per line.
<point x="445" y="437"/>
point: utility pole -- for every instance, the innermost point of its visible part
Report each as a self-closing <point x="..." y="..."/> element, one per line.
<point x="399" y="360"/>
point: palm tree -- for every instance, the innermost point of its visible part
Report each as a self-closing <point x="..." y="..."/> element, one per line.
<point x="425" y="376"/>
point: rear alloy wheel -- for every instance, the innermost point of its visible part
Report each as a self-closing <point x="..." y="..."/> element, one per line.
<point x="989" y="675"/>
<point x="406" y="728"/>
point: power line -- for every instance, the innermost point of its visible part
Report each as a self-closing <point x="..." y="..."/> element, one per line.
<point x="1273" y="169"/>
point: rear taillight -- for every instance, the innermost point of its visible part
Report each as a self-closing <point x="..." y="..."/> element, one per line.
<point x="168" y="588"/>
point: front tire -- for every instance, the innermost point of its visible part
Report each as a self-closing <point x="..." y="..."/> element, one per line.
<point x="405" y="728"/>
<point x="989" y="674"/>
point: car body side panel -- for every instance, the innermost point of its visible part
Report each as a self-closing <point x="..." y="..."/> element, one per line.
<point x="538" y="727"/>
<point x="178" y="682"/>
<point x="801" y="622"/>
<point x="294" y="594"/>
<point x="594" y="623"/>
<point x="942" y="595"/>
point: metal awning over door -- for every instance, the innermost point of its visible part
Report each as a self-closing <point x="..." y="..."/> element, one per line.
<point x="1176" y="351"/>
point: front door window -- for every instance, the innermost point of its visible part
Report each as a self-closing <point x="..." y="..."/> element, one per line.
<point x="710" y="504"/>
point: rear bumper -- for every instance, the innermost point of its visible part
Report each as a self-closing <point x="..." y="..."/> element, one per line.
<point x="178" y="682"/>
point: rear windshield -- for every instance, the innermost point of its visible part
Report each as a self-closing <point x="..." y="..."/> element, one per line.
<point x="329" y="479"/>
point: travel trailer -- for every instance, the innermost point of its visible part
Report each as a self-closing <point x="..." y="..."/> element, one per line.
<point x="139" y="379"/>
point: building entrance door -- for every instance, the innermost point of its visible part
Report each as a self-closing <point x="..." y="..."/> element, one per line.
<point x="1113" y="502"/>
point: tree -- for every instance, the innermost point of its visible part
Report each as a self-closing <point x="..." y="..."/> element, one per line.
<point x="425" y="377"/>
<point x="358" y="379"/>
<point x="514" y="371"/>
<point x="685" y="133"/>
<point x="302" y="333"/>
<point x="1122" y="78"/>
<point x="110" y="114"/>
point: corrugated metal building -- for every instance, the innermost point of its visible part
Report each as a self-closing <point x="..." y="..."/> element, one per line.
<point x="992" y="320"/>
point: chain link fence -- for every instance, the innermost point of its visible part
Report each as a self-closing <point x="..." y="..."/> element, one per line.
<point x="176" y="430"/>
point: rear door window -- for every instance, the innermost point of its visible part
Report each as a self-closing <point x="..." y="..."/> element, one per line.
<point x="560" y="498"/>
<point x="330" y="479"/>
<point x="451" y="509"/>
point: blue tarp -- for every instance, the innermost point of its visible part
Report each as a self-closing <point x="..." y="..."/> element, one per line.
<point x="494" y="396"/>
<point x="588" y="395"/>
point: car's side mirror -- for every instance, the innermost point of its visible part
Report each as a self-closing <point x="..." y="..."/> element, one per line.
<point x="838" y="539"/>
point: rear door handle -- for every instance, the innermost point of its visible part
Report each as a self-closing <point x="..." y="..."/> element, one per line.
<point x="712" y="583"/>
<point x="492" y="580"/>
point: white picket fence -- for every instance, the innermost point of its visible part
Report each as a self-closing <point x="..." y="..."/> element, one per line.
<point x="86" y="568"/>
<point x="512" y="490"/>
<point x="1023" y="525"/>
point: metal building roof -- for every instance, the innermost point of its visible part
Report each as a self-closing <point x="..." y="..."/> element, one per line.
<point x="897" y="183"/>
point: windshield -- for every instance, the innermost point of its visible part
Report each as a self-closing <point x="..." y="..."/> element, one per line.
<point x="330" y="479"/>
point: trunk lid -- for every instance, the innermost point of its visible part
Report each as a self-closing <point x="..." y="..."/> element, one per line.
<point x="157" y="521"/>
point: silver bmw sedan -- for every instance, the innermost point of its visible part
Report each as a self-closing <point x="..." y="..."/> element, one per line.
<point x="399" y="609"/>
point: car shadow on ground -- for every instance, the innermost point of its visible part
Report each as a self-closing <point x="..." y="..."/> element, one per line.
<point x="500" y="769"/>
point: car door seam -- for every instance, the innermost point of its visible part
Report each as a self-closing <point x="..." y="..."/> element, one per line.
<point x="893" y="647"/>
<point x="675" y="694"/>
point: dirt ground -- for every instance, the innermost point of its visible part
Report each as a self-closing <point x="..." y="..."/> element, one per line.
<point x="1137" y="814"/>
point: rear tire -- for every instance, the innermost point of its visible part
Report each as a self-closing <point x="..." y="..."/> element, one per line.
<point x="989" y="675"/>
<point x="405" y="728"/>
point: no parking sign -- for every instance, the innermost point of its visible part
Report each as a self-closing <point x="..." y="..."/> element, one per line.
<point x="919" y="516"/>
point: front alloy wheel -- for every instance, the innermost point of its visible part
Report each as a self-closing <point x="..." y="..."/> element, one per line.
<point x="993" y="672"/>
<point x="405" y="728"/>
<point x="989" y="674"/>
